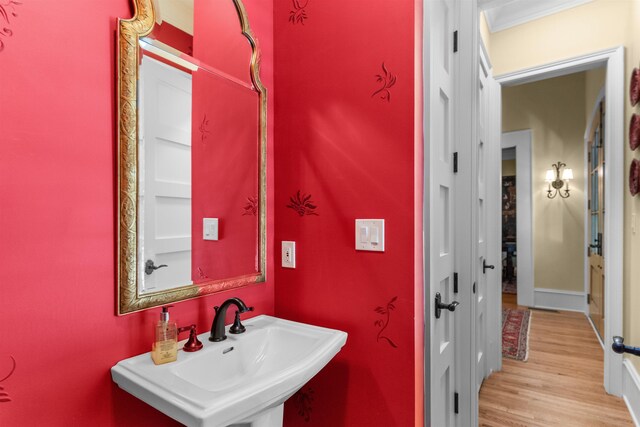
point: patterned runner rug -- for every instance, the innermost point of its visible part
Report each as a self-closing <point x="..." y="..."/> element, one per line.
<point x="509" y="288"/>
<point x="515" y="333"/>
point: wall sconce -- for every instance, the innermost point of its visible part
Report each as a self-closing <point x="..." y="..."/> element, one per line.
<point x="554" y="180"/>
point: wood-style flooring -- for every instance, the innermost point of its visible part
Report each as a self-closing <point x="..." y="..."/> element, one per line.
<point x="560" y="384"/>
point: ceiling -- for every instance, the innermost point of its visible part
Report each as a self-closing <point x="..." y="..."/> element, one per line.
<point x="503" y="14"/>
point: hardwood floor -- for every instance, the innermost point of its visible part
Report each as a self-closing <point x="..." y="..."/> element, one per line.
<point x="560" y="384"/>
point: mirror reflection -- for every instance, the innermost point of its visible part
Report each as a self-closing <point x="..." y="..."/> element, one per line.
<point x="200" y="130"/>
<point x="198" y="175"/>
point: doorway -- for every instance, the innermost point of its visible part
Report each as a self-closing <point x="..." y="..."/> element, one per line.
<point x="611" y="194"/>
<point x="509" y="229"/>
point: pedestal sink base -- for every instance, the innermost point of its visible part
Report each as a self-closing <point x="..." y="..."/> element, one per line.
<point x="271" y="418"/>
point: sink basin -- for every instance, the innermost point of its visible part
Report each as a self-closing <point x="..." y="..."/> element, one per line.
<point x="243" y="380"/>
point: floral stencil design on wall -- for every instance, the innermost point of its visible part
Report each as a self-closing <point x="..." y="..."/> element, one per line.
<point x="4" y="396"/>
<point x="385" y="312"/>
<point x="387" y="80"/>
<point x="7" y="11"/>
<point x="303" y="400"/>
<point x="302" y="204"/>
<point x="201" y="274"/>
<point x="298" y="14"/>
<point x="204" y="132"/>
<point x="251" y="207"/>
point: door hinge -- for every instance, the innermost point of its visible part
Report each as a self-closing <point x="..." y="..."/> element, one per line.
<point x="455" y="283"/>
<point x="589" y="205"/>
<point x="455" y="41"/>
<point x="588" y="298"/>
<point x="474" y="287"/>
<point x="455" y="162"/>
<point x="455" y="402"/>
<point x="589" y="156"/>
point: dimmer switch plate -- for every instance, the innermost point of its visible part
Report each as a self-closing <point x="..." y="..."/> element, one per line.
<point x="289" y="254"/>
<point x="370" y="235"/>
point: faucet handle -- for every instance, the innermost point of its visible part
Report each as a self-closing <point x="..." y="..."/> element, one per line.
<point x="237" y="327"/>
<point x="193" y="343"/>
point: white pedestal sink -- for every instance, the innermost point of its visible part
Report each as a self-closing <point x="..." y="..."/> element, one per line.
<point x="242" y="381"/>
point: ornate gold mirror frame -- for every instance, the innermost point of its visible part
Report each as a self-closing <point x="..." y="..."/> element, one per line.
<point x="129" y="299"/>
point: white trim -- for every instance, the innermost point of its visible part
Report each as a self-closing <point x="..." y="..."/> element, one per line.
<point x="614" y="220"/>
<point x="631" y="390"/>
<point x="587" y="219"/>
<point x="521" y="141"/>
<point x="614" y="185"/>
<point x="558" y="68"/>
<point x="559" y="300"/>
<point x="595" y="331"/>
<point x="483" y="51"/>
<point x="518" y="12"/>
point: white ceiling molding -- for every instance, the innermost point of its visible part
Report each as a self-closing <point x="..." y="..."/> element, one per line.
<point x="503" y="14"/>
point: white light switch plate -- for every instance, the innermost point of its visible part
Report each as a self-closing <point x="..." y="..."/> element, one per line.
<point x="210" y="228"/>
<point x="289" y="254"/>
<point x="370" y="235"/>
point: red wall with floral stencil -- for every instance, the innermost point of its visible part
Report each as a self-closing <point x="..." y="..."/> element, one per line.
<point x="57" y="219"/>
<point x="345" y="149"/>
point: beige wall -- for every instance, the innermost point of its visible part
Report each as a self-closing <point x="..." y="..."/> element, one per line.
<point x="508" y="168"/>
<point x="485" y="34"/>
<point x="631" y="204"/>
<point x="554" y="111"/>
<point x="591" y="27"/>
<point x="598" y="25"/>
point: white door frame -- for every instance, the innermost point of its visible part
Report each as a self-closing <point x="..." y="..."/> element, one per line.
<point x="521" y="141"/>
<point x="613" y="59"/>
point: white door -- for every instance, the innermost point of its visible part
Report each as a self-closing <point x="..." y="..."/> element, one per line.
<point x="487" y="252"/>
<point x="165" y="176"/>
<point x="440" y="210"/>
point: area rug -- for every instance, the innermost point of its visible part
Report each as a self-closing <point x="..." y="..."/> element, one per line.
<point x="509" y="288"/>
<point x="515" y="333"/>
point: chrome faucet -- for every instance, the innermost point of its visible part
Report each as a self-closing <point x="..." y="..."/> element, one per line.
<point x="217" y="327"/>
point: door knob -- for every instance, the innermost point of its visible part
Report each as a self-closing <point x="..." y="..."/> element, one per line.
<point x="441" y="306"/>
<point x="150" y="268"/>
<point x="619" y="347"/>
<point x="485" y="266"/>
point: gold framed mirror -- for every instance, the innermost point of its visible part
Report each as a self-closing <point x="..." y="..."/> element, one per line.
<point x="227" y="236"/>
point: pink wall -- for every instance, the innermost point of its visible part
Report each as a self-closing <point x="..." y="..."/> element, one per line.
<point x="57" y="220"/>
<point x="348" y="139"/>
<point x="173" y="36"/>
<point x="225" y="175"/>
<point x="219" y="45"/>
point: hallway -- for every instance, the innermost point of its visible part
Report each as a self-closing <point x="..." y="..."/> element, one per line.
<point x="559" y="385"/>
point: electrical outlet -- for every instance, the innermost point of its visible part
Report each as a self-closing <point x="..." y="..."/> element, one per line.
<point x="289" y="254"/>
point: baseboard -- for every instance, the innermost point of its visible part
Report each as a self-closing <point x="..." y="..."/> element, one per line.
<point x="631" y="390"/>
<point x="559" y="300"/>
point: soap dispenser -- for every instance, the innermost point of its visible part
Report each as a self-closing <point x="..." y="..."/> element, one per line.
<point x="165" y="344"/>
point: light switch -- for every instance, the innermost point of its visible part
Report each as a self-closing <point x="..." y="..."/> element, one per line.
<point x="364" y="234"/>
<point x="375" y="236"/>
<point x="210" y="228"/>
<point x="289" y="254"/>
<point x="370" y="235"/>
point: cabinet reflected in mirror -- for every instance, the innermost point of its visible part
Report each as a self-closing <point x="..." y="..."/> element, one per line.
<point x="199" y="153"/>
